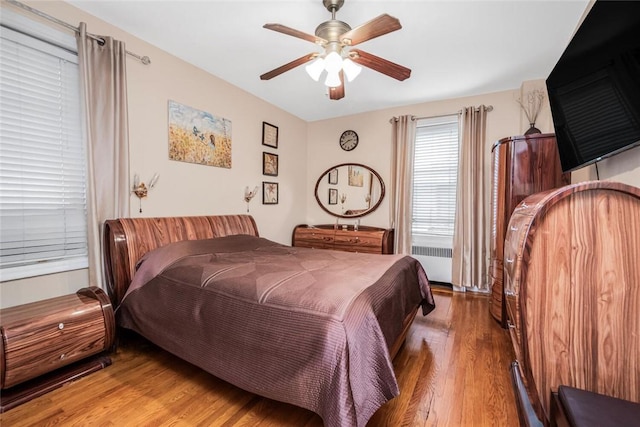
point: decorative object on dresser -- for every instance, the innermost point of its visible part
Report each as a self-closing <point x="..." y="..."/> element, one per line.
<point x="571" y="287"/>
<point x="346" y="238"/>
<point x="358" y="195"/>
<point x="531" y="107"/>
<point x="48" y="343"/>
<point x="522" y="165"/>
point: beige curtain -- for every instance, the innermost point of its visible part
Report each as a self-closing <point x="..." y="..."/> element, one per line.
<point x="401" y="191"/>
<point x="470" y="239"/>
<point x="104" y="91"/>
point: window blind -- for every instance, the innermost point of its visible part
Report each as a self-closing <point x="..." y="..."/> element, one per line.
<point x="42" y="159"/>
<point x="435" y="172"/>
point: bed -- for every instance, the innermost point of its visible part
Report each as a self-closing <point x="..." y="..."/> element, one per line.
<point x="313" y="328"/>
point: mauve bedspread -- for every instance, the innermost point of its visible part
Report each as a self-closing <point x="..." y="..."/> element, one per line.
<point x="303" y="326"/>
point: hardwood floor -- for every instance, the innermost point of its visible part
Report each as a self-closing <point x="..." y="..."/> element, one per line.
<point x="452" y="371"/>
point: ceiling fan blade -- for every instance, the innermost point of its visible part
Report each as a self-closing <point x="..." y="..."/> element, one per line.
<point x="295" y="33"/>
<point x="286" y="67"/>
<point x="379" y="26"/>
<point x="337" y="92"/>
<point x="381" y="65"/>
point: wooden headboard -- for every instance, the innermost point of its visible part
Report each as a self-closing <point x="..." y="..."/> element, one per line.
<point x="126" y="240"/>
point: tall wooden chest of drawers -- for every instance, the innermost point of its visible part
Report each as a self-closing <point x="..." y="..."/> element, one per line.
<point x="365" y="239"/>
<point x="44" y="336"/>
<point x="522" y="165"/>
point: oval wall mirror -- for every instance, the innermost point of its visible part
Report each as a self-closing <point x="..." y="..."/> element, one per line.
<point x="349" y="190"/>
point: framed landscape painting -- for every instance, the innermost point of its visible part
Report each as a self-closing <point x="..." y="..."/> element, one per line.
<point x="196" y="136"/>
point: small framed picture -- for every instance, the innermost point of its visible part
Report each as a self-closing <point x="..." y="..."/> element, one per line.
<point x="269" y="135"/>
<point x="333" y="176"/>
<point x="269" y="164"/>
<point x="333" y="196"/>
<point x="269" y="193"/>
<point x="356" y="176"/>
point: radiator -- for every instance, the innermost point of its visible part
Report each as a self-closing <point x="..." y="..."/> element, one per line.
<point x="436" y="261"/>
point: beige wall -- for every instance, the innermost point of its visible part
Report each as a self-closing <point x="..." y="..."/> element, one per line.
<point x="305" y="149"/>
<point x="374" y="148"/>
<point x="185" y="188"/>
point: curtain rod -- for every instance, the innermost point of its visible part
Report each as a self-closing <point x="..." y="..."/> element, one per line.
<point x="144" y="59"/>
<point x="488" y="107"/>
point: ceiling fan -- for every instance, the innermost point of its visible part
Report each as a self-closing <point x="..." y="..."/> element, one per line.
<point x="335" y="36"/>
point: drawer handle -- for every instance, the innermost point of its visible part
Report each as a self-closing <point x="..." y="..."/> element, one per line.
<point x="61" y="326"/>
<point x="509" y="261"/>
<point x="510" y="325"/>
<point x="62" y="356"/>
<point x="514" y="228"/>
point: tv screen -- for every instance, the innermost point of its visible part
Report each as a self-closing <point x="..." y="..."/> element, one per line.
<point x="594" y="89"/>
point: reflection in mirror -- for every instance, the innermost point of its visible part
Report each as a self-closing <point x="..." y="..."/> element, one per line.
<point x="349" y="190"/>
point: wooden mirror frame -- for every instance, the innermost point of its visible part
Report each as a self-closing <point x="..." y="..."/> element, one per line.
<point x="325" y="174"/>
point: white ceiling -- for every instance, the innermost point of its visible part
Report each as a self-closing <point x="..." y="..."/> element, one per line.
<point x="454" y="48"/>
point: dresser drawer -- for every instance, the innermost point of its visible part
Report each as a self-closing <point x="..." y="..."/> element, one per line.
<point x="43" y="336"/>
<point x="365" y="239"/>
<point x="359" y="241"/>
<point x="313" y="238"/>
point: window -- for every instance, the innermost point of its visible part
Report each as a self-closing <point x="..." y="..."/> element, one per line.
<point x="42" y="156"/>
<point x="435" y="173"/>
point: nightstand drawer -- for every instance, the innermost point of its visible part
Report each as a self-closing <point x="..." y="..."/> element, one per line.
<point x="43" y="336"/>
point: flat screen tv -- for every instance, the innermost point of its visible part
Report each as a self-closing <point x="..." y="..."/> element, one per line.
<point x="594" y="89"/>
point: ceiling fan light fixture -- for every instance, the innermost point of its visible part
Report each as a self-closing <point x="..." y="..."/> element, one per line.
<point x="333" y="79"/>
<point x="315" y="68"/>
<point x="333" y="62"/>
<point x="337" y="39"/>
<point x="351" y="69"/>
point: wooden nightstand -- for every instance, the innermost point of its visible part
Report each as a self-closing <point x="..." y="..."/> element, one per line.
<point x="47" y="343"/>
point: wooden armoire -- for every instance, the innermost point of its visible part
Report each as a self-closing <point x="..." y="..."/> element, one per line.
<point x="522" y="166"/>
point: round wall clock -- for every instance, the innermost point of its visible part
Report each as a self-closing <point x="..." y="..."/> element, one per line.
<point x="348" y="140"/>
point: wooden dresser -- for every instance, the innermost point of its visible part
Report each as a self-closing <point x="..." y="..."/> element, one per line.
<point x="372" y="240"/>
<point x="522" y="165"/>
<point x="45" y="336"/>
<point x="572" y="286"/>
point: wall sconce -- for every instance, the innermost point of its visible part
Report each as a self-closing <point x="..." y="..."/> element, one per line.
<point x="248" y="195"/>
<point x="141" y="190"/>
